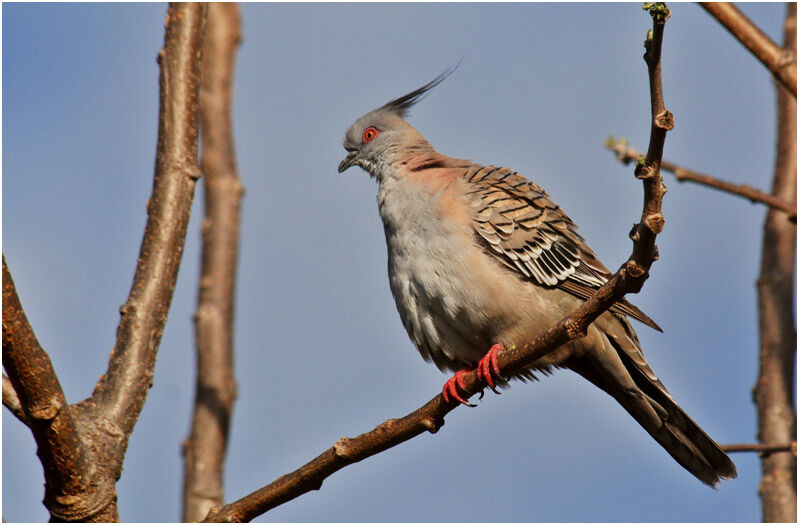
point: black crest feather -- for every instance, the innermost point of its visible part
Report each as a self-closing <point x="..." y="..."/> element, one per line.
<point x="401" y="105"/>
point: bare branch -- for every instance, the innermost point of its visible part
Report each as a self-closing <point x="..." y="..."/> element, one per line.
<point x="780" y="61"/>
<point x="11" y="401"/>
<point x="60" y="447"/>
<point x="430" y="417"/>
<point x="763" y="449"/>
<point x="626" y="154"/>
<point x="774" y="390"/>
<point x="121" y="392"/>
<point x="82" y="446"/>
<point x="204" y="449"/>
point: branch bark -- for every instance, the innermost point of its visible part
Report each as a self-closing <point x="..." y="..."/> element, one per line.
<point x="773" y="393"/>
<point x="121" y="392"/>
<point x="64" y="456"/>
<point x="82" y="446"/>
<point x="430" y="417"/>
<point x="761" y="448"/>
<point x="627" y="154"/>
<point x="204" y="449"/>
<point x="782" y="62"/>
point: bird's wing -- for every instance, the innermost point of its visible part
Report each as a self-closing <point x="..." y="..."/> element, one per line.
<point x="531" y="235"/>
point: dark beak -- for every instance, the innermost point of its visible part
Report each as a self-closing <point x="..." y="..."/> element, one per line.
<point x="347" y="162"/>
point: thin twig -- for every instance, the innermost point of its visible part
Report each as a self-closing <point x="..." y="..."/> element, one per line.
<point x="774" y="389"/>
<point x="626" y="154"/>
<point x="761" y="448"/>
<point x="204" y="449"/>
<point x="430" y="417"/>
<point x="780" y="61"/>
<point x="11" y="401"/>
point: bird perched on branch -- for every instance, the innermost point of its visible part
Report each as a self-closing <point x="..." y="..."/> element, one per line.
<point x="480" y="259"/>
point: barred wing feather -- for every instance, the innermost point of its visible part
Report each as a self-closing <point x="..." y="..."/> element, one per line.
<point x="531" y="235"/>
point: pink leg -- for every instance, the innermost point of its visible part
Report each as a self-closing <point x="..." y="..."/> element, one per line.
<point x="488" y="365"/>
<point x="451" y="386"/>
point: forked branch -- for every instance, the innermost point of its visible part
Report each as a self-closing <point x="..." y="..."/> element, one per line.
<point x="82" y="446"/>
<point x="61" y="449"/>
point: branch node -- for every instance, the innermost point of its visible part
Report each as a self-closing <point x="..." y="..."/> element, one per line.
<point x="633" y="269"/>
<point x="46" y="409"/>
<point x="665" y="120"/>
<point x="786" y="58"/>
<point x="654" y="222"/>
<point x="643" y="171"/>
<point x="634" y="233"/>
<point x="194" y="172"/>
<point x="341" y="447"/>
<point x="432" y="424"/>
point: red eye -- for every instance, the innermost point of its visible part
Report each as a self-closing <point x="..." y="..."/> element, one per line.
<point x="369" y="134"/>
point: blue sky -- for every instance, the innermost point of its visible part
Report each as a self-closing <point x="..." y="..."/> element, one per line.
<point x="321" y="352"/>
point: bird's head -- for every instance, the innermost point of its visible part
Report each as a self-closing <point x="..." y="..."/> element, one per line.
<point x="382" y="136"/>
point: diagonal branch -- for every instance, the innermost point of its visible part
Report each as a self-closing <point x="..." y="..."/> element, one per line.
<point x="430" y="417"/>
<point x="627" y="154"/>
<point x="121" y="392"/>
<point x="204" y="449"/>
<point x="63" y="455"/>
<point x="780" y="61"/>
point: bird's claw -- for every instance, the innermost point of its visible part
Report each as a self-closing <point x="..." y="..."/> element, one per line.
<point x="488" y="365"/>
<point x="451" y="387"/>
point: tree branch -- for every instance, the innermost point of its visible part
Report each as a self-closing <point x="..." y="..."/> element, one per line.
<point x="774" y="390"/>
<point x="763" y="449"/>
<point x="780" y="61"/>
<point x="627" y="154"/>
<point x="121" y="392"/>
<point x="11" y="401"/>
<point x="204" y="449"/>
<point x="60" y="448"/>
<point x="82" y="446"/>
<point x="430" y="417"/>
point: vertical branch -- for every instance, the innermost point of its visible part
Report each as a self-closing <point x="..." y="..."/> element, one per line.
<point x="204" y="449"/>
<point x="121" y="392"/>
<point x="777" y="419"/>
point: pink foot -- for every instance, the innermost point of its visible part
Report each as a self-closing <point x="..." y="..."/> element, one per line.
<point x="488" y="365"/>
<point x="451" y="386"/>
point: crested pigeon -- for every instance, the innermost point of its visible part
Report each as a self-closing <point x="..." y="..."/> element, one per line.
<point x="480" y="258"/>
